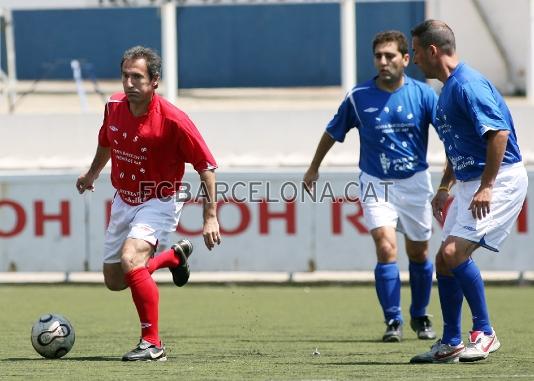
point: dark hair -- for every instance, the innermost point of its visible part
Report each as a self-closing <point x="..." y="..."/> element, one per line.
<point x="153" y="60"/>
<point x="392" y="36"/>
<point x="435" y="32"/>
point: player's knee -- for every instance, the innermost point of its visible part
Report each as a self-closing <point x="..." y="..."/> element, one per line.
<point x="419" y="256"/>
<point x="127" y="261"/>
<point x="130" y="259"/>
<point x="386" y="251"/>
<point x="448" y="256"/>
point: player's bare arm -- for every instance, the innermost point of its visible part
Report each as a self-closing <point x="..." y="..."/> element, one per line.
<point x="442" y="195"/>
<point x="312" y="174"/>
<point x="497" y="140"/>
<point x="210" y="230"/>
<point x="86" y="181"/>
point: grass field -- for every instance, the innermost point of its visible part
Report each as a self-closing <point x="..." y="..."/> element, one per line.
<point x="250" y="333"/>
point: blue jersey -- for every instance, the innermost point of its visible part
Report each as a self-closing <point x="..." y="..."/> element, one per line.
<point x="468" y="107"/>
<point x="393" y="127"/>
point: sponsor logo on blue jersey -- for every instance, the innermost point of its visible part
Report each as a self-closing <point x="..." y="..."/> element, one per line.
<point x="393" y="127"/>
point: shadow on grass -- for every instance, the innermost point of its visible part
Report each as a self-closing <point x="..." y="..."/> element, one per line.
<point x="287" y="340"/>
<point x="311" y="341"/>
<point x="80" y="358"/>
<point x="369" y="363"/>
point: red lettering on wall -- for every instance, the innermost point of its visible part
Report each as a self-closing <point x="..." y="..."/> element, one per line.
<point x="20" y="219"/>
<point x="63" y="217"/>
<point x="244" y="219"/>
<point x="522" y="219"/>
<point x="354" y="219"/>
<point x="289" y="215"/>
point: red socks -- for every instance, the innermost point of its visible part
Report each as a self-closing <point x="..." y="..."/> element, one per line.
<point x="145" y="295"/>
<point x="166" y="258"/>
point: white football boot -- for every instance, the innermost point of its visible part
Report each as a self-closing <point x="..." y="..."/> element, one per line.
<point x="440" y="353"/>
<point x="480" y="346"/>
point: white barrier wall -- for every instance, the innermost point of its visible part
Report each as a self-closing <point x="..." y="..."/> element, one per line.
<point x="46" y="226"/>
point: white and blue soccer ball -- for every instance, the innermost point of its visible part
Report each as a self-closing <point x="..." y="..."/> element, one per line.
<point x="52" y="336"/>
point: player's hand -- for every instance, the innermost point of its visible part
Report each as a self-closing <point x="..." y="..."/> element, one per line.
<point x="310" y="178"/>
<point x="438" y="204"/>
<point x="85" y="182"/>
<point x="211" y="232"/>
<point x="480" y="205"/>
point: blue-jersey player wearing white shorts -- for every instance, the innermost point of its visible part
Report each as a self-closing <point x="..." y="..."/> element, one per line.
<point x="392" y="113"/>
<point x="484" y="161"/>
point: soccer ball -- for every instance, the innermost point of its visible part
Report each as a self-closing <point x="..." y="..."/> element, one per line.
<point x="52" y="336"/>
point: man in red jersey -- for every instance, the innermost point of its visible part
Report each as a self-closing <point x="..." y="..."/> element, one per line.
<point x="149" y="141"/>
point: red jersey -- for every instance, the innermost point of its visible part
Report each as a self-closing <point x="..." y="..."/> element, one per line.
<point x="149" y="152"/>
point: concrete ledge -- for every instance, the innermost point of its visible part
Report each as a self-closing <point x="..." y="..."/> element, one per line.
<point x="239" y="277"/>
<point x="251" y="277"/>
<point x="336" y="276"/>
<point x="44" y="277"/>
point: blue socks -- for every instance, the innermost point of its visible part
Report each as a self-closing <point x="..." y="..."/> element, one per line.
<point x="450" y="298"/>
<point x="470" y="280"/>
<point x="388" y="285"/>
<point x="420" y="285"/>
<point x="466" y="282"/>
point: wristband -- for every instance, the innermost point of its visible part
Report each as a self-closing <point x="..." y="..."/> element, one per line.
<point x="446" y="189"/>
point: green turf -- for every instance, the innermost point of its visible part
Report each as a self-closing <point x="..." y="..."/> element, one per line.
<point x="249" y="333"/>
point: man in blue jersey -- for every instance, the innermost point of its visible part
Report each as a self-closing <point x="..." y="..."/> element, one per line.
<point x="484" y="162"/>
<point x="392" y="113"/>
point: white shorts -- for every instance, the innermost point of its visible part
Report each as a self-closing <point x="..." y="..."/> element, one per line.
<point x="152" y="221"/>
<point x="406" y="208"/>
<point x="509" y="192"/>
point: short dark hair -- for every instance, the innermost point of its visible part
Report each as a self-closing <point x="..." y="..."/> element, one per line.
<point x="392" y="36"/>
<point x="435" y="32"/>
<point x="153" y="60"/>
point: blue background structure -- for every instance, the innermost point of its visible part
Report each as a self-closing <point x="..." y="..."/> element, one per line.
<point x="219" y="46"/>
